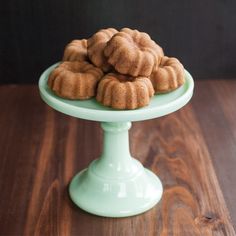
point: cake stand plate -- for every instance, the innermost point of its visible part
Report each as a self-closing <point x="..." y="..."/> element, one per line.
<point x="115" y="184"/>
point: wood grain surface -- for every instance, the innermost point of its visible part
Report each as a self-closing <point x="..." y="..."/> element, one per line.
<point x="193" y="151"/>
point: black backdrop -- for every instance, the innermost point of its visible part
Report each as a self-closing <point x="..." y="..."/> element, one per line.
<point x="202" y="34"/>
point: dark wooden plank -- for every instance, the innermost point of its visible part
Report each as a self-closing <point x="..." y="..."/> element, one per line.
<point x="214" y="104"/>
<point x="34" y="173"/>
<point x="192" y="203"/>
<point x="21" y="116"/>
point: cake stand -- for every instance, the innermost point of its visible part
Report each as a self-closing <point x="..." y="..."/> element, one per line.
<point x="115" y="184"/>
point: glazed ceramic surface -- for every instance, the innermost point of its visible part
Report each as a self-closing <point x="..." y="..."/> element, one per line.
<point x="92" y="110"/>
<point x="115" y="184"/>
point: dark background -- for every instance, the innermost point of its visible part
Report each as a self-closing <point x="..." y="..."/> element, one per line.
<point x="33" y="33"/>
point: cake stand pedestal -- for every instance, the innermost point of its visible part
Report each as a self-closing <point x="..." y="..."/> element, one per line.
<point x="115" y="184"/>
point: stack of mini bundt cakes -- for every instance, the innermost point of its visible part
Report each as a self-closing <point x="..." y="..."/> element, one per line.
<point x="122" y="69"/>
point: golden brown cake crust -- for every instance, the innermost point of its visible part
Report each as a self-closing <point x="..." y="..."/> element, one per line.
<point x="168" y="76"/>
<point x="134" y="64"/>
<point x="76" y="50"/>
<point x="124" y="92"/>
<point x="133" y="52"/>
<point x="96" y="45"/>
<point x="75" y="80"/>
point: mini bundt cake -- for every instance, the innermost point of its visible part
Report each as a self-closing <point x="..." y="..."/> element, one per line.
<point x="76" y="50"/>
<point x="96" y="45"/>
<point x="75" y="80"/>
<point x="133" y="52"/>
<point x="124" y="92"/>
<point x="168" y="76"/>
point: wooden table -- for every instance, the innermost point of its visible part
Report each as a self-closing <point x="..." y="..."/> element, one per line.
<point x="193" y="151"/>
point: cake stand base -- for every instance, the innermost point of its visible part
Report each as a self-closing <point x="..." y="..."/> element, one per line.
<point x="114" y="197"/>
<point x="115" y="185"/>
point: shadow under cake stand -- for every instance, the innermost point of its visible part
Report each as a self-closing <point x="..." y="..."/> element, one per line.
<point x="115" y="184"/>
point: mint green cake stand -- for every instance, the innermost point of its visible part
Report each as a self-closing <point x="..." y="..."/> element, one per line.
<point x="115" y="184"/>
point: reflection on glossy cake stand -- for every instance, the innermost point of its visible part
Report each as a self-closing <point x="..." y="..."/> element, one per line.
<point x="116" y="185"/>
